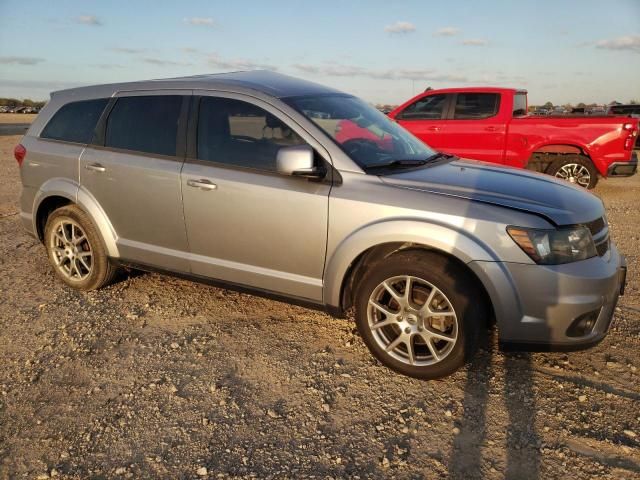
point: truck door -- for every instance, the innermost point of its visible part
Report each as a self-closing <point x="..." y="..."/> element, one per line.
<point x="425" y="119"/>
<point x="475" y="130"/>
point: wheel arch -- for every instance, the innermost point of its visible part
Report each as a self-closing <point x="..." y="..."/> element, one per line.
<point x="376" y="242"/>
<point x="57" y="193"/>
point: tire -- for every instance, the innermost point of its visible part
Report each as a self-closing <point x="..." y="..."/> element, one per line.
<point x="435" y="278"/>
<point x="574" y="169"/>
<point x="76" y="251"/>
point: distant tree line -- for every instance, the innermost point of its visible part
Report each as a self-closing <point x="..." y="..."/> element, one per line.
<point x="569" y="106"/>
<point x="14" y="102"/>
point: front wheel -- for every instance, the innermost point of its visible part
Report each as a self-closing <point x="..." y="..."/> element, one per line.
<point x="576" y="169"/>
<point x="419" y="313"/>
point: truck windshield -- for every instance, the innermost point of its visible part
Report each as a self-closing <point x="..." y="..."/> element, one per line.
<point x="368" y="136"/>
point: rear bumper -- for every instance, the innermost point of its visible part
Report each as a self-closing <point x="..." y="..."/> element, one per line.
<point x="538" y="307"/>
<point x="624" y="169"/>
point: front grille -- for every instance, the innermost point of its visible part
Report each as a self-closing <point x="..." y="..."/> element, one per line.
<point x="600" y="233"/>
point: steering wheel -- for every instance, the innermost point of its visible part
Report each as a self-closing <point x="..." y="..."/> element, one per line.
<point x="359" y="146"/>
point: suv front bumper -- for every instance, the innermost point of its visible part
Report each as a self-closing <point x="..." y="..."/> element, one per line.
<point x="537" y="307"/>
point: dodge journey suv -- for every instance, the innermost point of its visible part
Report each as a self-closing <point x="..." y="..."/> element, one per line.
<point x="266" y="183"/>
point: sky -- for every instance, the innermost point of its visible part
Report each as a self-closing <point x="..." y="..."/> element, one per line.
<point x="383" y="51"/>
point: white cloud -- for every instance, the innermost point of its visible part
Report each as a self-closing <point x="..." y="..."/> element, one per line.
<point x="20" y="60"/>
<point x="400" y="27"/>
<point x="88" y="20"/>
<point x="447" y="32"/>
<point x="628" y="42"/>
<point x="217" y="62"/>
<point x="200" y="21"/>
<point x="128" y="50"/>
<point x="339" y="70"/>
<point x="475" y="42"/>
<point x="161" y="62"/>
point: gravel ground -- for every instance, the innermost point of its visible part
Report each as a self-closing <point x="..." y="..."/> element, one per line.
<point x="155" y="377"/>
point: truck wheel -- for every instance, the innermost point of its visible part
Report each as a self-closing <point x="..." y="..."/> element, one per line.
<point x="419" y="314"/>
<point x="76" y="251"/>
<point x="576" y="169"/>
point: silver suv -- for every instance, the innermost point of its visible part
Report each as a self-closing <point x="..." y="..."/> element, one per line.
<point x="266" y="183"/>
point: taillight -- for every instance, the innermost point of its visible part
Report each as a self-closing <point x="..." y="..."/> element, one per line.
<point x="19" y="152"/>
<point x="631" y="139"/>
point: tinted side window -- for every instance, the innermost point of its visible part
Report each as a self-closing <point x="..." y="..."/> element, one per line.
<point x="75" y="122"/>
<point x="476" y="105"/>
<point x="519" y="104"/>
<point x="430" y="107"/>
<point x="145" y="124"/>
<point x="239" y="133"/>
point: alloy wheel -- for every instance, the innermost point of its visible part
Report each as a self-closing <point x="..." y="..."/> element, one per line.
<point x="412" y="320"/>
<point x="575" y="173"/>
<point x="71" y="250"/>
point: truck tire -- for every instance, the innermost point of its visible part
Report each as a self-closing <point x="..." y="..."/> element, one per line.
<point x="419" y="313"/>
<point x="76" y="250"/>
<point x="576" y="169"/>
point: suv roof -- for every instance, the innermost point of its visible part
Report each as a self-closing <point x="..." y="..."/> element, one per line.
<point x="264" y="81"/>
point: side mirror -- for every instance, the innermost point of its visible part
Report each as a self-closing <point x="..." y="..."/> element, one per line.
<point x="298" y="161"/>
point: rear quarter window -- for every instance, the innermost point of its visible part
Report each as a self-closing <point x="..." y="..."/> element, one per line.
<point x="75" y="122"/>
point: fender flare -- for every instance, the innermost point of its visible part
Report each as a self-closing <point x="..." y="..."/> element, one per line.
<point x="62" y="187"/>
<point x="444" y="238"/>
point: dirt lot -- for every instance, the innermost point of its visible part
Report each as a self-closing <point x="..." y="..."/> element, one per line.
<point x="156" y="377"/>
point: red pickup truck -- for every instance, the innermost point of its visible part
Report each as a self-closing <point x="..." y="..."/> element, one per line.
<point x="492" y="124"/>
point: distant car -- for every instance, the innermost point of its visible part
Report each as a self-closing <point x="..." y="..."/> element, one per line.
<point x="624" y="110"/>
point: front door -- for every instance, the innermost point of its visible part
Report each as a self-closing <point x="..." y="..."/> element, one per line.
<point x="247" y="224"/>
<point x="425" y="118"/>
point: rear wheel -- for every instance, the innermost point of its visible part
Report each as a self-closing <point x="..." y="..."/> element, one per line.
<point x="419" y="314"/>
<point x="576" y="169"/>
<point x="75" y="249"/>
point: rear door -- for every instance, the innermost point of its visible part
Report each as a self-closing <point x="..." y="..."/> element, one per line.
<point x="132" y="169"/>
<point x="475" y="130"/>
<point x="425" y="118"/>
<point x="246" y="223"/>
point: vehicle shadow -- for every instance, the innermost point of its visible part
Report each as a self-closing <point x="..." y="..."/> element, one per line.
<point x="522" y="441"/>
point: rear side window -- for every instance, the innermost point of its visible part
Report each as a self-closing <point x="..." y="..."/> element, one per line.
<point x="474" y="106"/>
<point x="240" y="133"/>
<point x="75" y="122"/>
<point x="519" y="104"/>
<point x="147" y="124"/>
<point x="429" y="107"/>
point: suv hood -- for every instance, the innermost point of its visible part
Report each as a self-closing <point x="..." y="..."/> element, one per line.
<point x="559" y="201"/>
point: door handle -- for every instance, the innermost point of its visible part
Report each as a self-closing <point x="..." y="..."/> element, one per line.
<point x="202" y="184"/>
<point x="491" y="129"/>
<point x="434" y="129"/>
<point x="95" y="167"/>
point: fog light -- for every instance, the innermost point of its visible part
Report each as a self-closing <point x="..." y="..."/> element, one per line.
<point x="583" y="325"/>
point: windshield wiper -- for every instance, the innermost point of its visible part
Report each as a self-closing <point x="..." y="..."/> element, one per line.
<point x="438" y="156"/>
<point x="398" y="164"/>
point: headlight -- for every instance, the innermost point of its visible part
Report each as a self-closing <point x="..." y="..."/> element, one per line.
<point x="553" y="247"/>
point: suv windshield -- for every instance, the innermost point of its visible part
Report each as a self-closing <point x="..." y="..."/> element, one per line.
<point x="368" y="136"/>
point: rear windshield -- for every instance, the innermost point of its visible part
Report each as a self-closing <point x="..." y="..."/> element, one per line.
<point x="519" y="104"/>
<point x="76" y="121"/>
